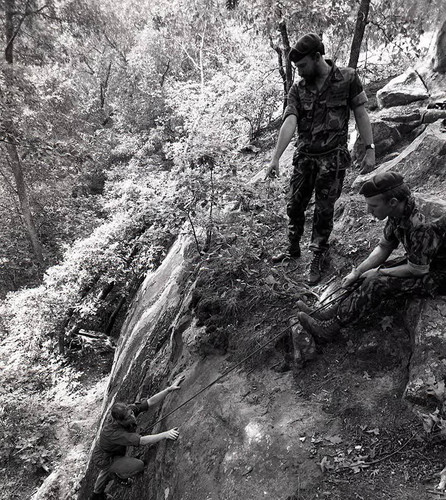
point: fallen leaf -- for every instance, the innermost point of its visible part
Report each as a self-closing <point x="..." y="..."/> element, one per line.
<point x="325" y="464"/>
<point x="334" y="439"/>
<point x="373" y="431"/>
<point x="386" y="323"/>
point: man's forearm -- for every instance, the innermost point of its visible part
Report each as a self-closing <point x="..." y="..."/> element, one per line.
<point x="152" y="438"/>
<point x="375" y="259"/>
<point x="364" y="125"/>
<point x="157" y="398"/>
<point x="403" y="271"/>
<point x="286" y="133"/>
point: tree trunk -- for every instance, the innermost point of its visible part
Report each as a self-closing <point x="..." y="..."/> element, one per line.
<point x="16" y="167"/>
<point x="288" y="80"/>
<point x="11" y="146"/>
<point x="361" y="22"/>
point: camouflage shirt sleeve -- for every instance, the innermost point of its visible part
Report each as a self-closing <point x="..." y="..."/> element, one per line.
<point x="389" y="238"/>
<point x="422" y="245"/>
<point x="357" y="95"/>
<point x="293" y="103"/>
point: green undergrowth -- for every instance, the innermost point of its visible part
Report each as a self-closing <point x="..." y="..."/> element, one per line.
<point x="238" y="294"/>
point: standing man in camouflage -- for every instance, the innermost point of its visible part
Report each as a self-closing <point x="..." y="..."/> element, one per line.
<point x="319" y="106"/>
<point x="423" y="272"/>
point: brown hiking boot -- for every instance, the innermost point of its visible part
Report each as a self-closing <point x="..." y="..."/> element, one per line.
<point x="319" y="312"/>
<point x="316" y="267"/>
<point x="292" y="253"/>
<point x="322" y="330"/>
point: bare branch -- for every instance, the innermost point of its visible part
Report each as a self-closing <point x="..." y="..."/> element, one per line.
<point x="114" y="46"/>
<point x="163" y="76"/>
<point x="26" y="14"/>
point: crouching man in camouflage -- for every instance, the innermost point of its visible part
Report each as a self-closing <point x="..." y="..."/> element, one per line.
<point x="422" y="273"/>
<point x="119" y="432"/>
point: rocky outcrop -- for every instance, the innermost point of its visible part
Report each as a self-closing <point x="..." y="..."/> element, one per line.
<point x="242" y="438"/>
<point x="385" y="136"/>
<point x="402" y="90"/>
<point x="423" y="162"/>
<point x="426" y="321"/>
<point x="439" y="59"/>
<point x="149" y="340"/>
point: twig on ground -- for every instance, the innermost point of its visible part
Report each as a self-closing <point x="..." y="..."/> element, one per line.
<point x="391" y="454"/>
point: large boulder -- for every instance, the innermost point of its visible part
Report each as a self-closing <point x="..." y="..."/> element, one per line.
<point x="403" y="89"/>
<point x="385" y="136"/>
<point x="423" y="162"/>
<point x="439" y="59"/>
<point x="425" y="391"/>
<point x="392" y="125"/>
<point x="404" y="118"/>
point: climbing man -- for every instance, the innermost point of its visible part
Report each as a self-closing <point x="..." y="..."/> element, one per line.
<point x="319" y="105"/>
<point x="119" y="432"/>
<point x="422" y="272"/>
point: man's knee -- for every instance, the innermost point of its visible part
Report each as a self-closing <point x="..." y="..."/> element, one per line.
<point x="139" y="466"/>
<point x="126" y="467"/>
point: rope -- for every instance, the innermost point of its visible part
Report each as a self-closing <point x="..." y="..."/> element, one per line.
<point x="323" y="306"/>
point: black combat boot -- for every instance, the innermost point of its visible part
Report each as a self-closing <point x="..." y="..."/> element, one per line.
<point x="322" y="330"/>
<point x="317" y="266"/>
<point x="292" y="253"/>
<point x="319" y="312"/>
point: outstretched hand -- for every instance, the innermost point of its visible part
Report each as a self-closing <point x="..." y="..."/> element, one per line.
<point x="176" y="385"/>
<point x="173" y="434"/>
<point x="273" y="170"/>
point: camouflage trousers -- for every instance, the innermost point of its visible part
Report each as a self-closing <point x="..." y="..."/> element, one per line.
<point x="324" y="175"/>
<point x="374" y="292"/>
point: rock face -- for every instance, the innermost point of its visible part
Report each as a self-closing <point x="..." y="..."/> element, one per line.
<point x="240" y="439"/>
<point x="423" y="162"/>
<point x="426" y="322"/>
<point x="402" y="90"/>
<point x="385" y="136"/>
<point x="439" y="61"/>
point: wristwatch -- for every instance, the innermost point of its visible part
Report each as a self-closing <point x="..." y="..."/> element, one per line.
<point x="370" y="146"/>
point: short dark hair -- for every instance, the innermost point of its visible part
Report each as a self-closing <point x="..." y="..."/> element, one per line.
<point x="119" y="411"/>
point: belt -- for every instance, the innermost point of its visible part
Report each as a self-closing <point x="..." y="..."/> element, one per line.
<point x="323" y="153"/>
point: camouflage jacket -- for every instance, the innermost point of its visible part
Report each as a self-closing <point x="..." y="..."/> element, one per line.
<point x="423" y="241"/>
<point x="322" y="116"/>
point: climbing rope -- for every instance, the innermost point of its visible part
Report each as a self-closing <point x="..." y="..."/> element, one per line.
<point x="276" y="337"/>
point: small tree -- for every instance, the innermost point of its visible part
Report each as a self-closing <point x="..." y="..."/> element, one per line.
<point x="12" y="29"/>
<point x="361" y="22"/>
